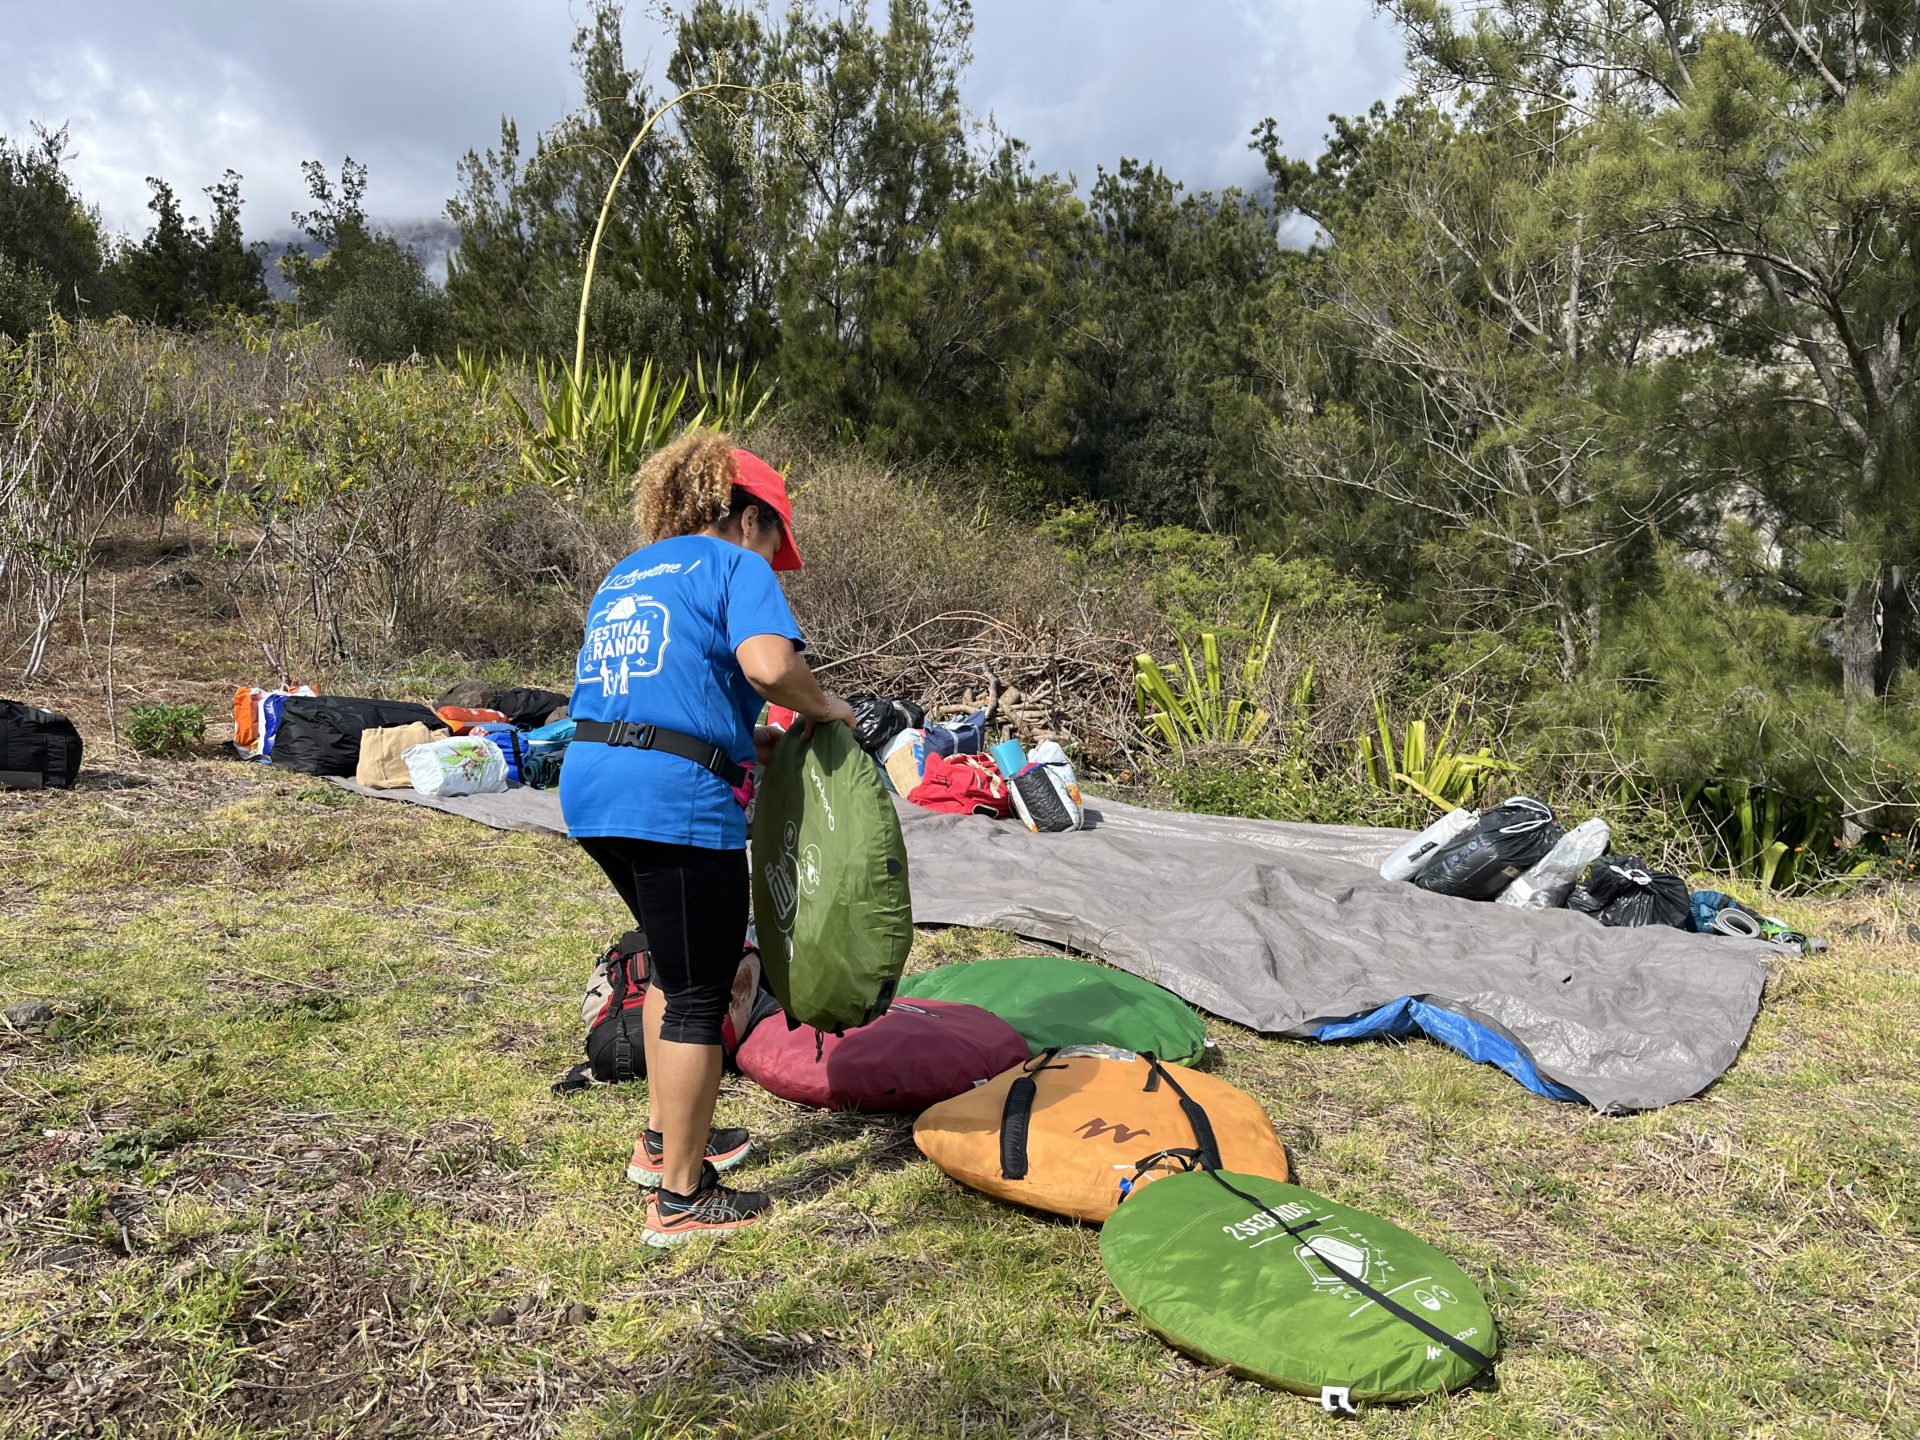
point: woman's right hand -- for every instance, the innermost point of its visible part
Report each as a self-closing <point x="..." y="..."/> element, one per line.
<point x="838" y="712"/>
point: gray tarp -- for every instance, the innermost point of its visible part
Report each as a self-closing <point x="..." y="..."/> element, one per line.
<point x="1285" y="928"/>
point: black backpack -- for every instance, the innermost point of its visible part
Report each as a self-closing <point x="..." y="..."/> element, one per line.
<point x="320" y="734"/>
<point x="616" y="1041"/>
<point x="39" y="749"/>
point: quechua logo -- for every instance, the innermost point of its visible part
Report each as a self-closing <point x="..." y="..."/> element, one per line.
<point x="1121" y="1134"/>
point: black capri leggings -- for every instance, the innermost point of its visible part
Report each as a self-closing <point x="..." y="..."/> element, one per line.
<point x="693" y="905"/>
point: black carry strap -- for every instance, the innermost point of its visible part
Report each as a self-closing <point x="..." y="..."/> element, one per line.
<point x="669" y="742"/>
<point x="617" y="1003"/>
<point x="1197" y="1119"/>
<point x="1017" y="1113"/>
<point x="1386" y="1302"/>
<point x="577" y="1078"/>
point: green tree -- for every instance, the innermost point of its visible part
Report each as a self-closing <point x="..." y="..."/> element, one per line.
<point x="157" y="275"/>
<point x="1763" y="165"/>
<point x="1165" y="355"/>
<point x="368" y="288"/>
<point x="514" y="282"/>
<point x="51" y="250"/>
<point x="1440" y="357"/>
<point x="885" y="158"/>
<point x="230" y="274"/>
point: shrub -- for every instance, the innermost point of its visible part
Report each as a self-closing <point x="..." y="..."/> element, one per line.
<point x="167" y="732"/>
<point x="344" y="517"/>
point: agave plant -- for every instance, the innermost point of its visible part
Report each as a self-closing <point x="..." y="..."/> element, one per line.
<point x="1774" y="840"/>
<point x="600" y="425"/>
<point x="1201" y="712"/>
<point x="733" y="402"/>
<point x="1436" y="769"/>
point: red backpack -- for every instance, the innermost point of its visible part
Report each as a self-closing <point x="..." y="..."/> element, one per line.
<point x="963" y="785"/>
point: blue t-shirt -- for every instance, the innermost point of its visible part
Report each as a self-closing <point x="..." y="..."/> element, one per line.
<point x="661" y="633"/>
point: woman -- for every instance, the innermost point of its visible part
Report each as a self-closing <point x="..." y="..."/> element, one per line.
<point x="685" y="638"/>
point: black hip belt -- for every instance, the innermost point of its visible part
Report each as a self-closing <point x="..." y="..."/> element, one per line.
<point x="670" y="742"/>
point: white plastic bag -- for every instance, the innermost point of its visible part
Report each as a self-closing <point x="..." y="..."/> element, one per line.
<point x="1411" y="858"/>
<point x="1551" y="878"/>
<point x="464" y="765"/>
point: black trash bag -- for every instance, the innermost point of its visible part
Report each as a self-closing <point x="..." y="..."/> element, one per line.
<point x="1624" y="890"/>
<point x="1483" y="861"/>
<point x="877" y="719"/>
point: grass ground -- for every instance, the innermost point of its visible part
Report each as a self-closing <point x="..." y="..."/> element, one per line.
<point x="284" y="1163"/>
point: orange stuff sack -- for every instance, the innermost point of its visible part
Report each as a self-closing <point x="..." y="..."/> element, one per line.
<point x="246" y="718"/>
<point x="462" y="718"/>
<point x="1073" y="1131"/>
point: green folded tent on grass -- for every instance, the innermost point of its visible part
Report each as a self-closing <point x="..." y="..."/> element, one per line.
<point x="1282" y="1286"/>
<point x="1054" y="1001"/>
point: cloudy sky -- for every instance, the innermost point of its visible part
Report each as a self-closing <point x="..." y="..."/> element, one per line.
<point x="187" y="88"/>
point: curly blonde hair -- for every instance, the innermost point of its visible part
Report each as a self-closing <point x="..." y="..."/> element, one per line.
<point x="684" y="487"/>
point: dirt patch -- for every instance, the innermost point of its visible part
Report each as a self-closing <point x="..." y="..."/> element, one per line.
<point x="335" y="1334"/>
<point x="321" y="1343"/>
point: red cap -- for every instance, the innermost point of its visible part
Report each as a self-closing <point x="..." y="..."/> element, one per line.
<point x="763" y="482"/>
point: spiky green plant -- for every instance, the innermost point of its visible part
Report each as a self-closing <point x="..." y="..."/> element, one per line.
<point x="1437" y="769"/>
<point x="1201" y="712"/>
<point x="1776" y="841"/>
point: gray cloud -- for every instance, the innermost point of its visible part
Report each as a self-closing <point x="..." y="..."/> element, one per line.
<point x="188" y="88"/>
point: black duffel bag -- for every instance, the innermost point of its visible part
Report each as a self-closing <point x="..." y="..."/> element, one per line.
<point x="528" y="706"/>
<point x="320" y="734"/>
<point x="39" y="749"/>
<point x="525" y="706"/>
<point x="1483" y="861"/>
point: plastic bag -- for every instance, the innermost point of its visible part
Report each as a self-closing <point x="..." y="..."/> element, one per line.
<point x="465" y="765"/>
<point x="1551" y="879"/>
<point x="877" y="719"/>
<point x="1414" y="856"/>
<point x="1483" y="861"/>
<point x="1623" y="890"/>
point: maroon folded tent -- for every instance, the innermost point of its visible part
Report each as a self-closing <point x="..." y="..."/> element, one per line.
<point x="917" y="1054"/>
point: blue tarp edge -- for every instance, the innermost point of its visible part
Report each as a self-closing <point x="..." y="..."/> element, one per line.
<point x="1409" y="1015"/>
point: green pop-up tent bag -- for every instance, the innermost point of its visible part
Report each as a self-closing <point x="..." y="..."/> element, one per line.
<point x="1294" y="1291"/>
<point x="830" y="902"/>
<point x="1056" y="1002"/>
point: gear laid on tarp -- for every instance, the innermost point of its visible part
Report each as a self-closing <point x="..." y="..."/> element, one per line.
<point x="878" y="718"/>
<point x="917" y="1054"/>
<point x="1295" y="1291"/>
<point x="1073" y="1131"/>
<point x="1625" y="890"/>
<point x="1054" y="1001"/>
<point x="830" y="896"/>
<point x="1480" y="862"/>
<point x="1289" y="928"/>
<point x="524" y="706"/>
<point x="320" y="734"/>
